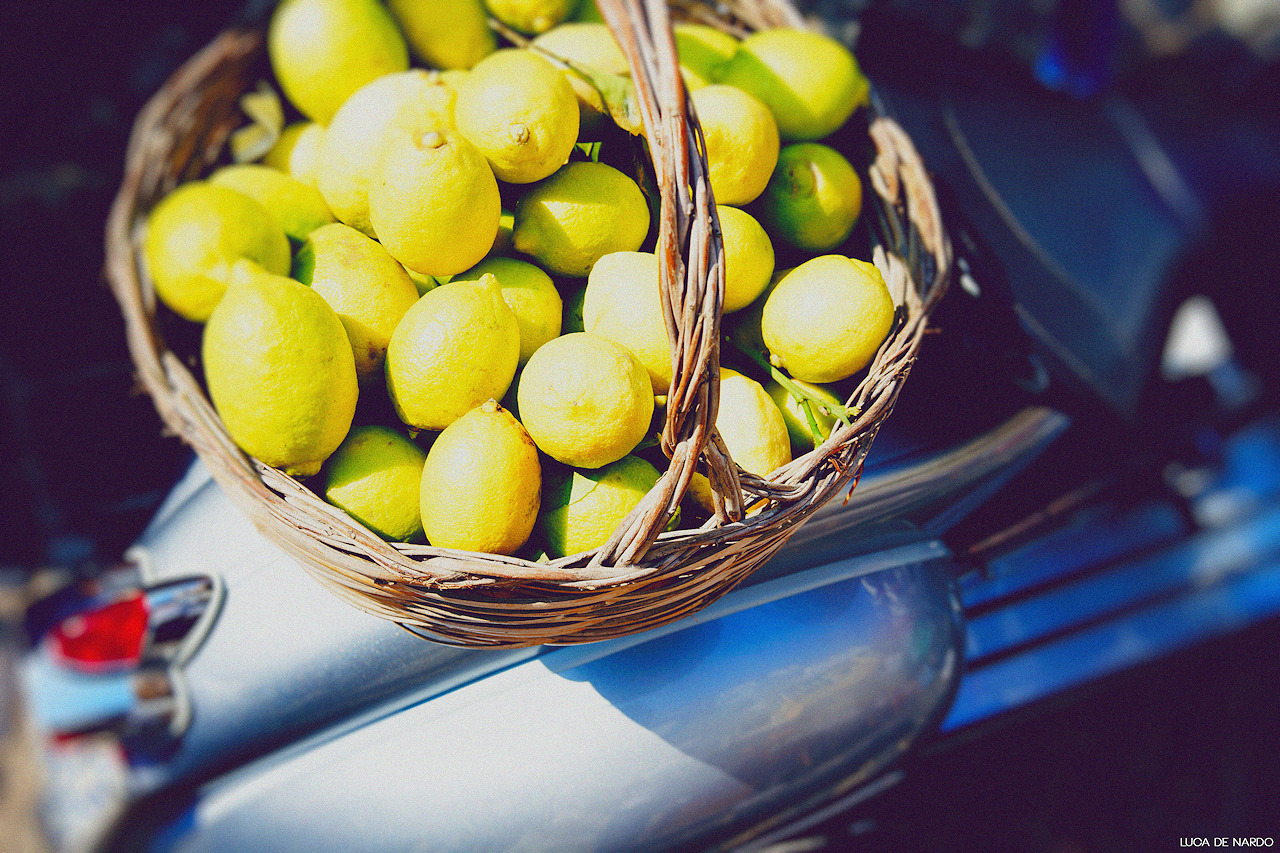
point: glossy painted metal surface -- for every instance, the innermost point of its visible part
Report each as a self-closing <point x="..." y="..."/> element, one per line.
<point x="1116" y="587"/>
<point x="776" y="697"/>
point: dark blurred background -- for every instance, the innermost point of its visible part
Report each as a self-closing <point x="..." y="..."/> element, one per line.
<point x="83" y="462"/>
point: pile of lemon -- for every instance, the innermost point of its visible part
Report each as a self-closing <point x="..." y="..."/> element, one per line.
<point x="434" y="290"/>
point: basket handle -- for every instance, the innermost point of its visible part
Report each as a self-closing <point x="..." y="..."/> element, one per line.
<point x="691" y="273"/>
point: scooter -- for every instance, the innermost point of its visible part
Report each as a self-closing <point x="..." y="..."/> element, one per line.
<point x="1077" y="480"/>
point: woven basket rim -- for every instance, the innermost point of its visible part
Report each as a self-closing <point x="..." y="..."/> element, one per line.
<point x="483" y="599"/>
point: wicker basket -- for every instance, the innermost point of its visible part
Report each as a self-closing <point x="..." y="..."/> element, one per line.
<point x="643" y="577"/>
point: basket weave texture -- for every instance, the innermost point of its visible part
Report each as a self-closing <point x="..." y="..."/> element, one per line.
<point x="643" y="577"/>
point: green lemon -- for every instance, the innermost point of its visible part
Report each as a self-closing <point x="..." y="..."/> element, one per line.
<point x="581" y="509"/>
<point x="581" y="213"/>
<point x="586" y="11"/>
<point x="531" y="296"/>
<point x="793" y="413"/>
<point x="279" y="370"/>
<point x="455" y="348"/>
<point x="481" y="483"/>
<point x="753" y="429"/>
<point x="445" y="33"/>
<point x="406" y="104"/>
<point x="520" y="112"/>
<point x="368" y="289"/>
<point x="585" y="400"/>
<point x="810" y="82"/>
<point x="375" y="475"/>
<point x="299" y="208"/>
<point x="826" y="318"/>
<point x="622" y="303"/>
<point x="435" y="204"/>
<point x="748" y="257"/>
<point x="297" y="151"/>
<point x="196" y="233"/>
<point x="702" y="49"/>
<point x="813" y="199"/>
<point x="324" y="50"/>
<point x="742" y="142"/>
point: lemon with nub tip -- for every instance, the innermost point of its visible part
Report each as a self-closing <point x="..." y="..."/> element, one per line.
<point x="752" y="427"/>
<point x="581" y="509"/>
<point x="823" y="409"/>
<point x="529" y="293"/>
<point x="810" y="82"/>
<point x="279" y="370"/>
<point x="826" y="318"/>
<point x="481" y="483"/>
<point x="748" y="257"/>
<point x="456" y="347"/>
<point x="813" y="198"/>
<point x="323" y="50"/>
<point x="742" y="142"/>
<point x="520" y="112"/>
<point x="367" y="287"/>
<point x="297" y="207"/>
<point x="435" y="204"/>
<point x="194" y="236"/>
<point x="578" y="215"/>
<point x="586" y="400"/>
<point x="375" y="475"/>
<point x="622" y="303"/>
<point x="448" y="34"/>
<point x="408" y="103"/>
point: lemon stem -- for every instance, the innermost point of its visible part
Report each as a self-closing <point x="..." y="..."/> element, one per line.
<point x="804" y="398"/>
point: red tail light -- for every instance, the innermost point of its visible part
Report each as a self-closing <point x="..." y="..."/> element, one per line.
<point x="107" y="637"/>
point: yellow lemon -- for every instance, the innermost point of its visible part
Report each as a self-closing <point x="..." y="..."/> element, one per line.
<point x="752" y="428"/>
<point x="196" y="233"/>
<point x="810" y="82"/>
<point x="368" y="289"/>
<point x="622" y="303"/>
<point x="279" y="370"/>
<point x="375" y="475"/>
<point x="748" y="257"/>
<point x="793" y="412"/>
<point x="592" y="50"/>
<point x="324" y="50"/>
<point x="297" y="207"/>
<point x="531" y="296"/>
<point x="520" y="112"/>
<point x="702" y="49"/>
<point x="481" y="483"/>
<point x="435" y="203"/>
<point x="813" y="199"/>
<point x="742" y="142"/>
<point x="409" y="103"/>
<point x="826" y="318"/>
<point x="297" y="151"/>
<point x="455" y="348"/>
<point x="445" y="33"/>
<point x="585" y="400"/>
<point x="581" y="509"/>
<point x="531" y="16"/>
<point x="581" y="213"/>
